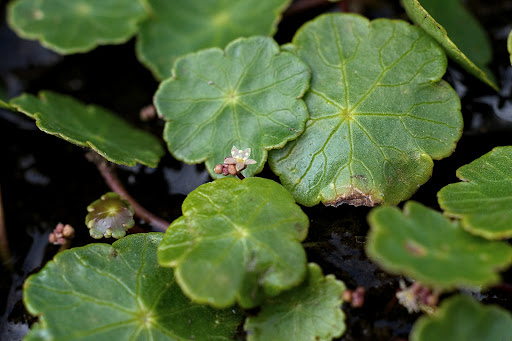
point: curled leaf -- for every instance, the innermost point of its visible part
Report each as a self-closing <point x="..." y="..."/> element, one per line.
<point x="109" y="216"/>
<point x="90" y="126"/>
<point x="457" y="31"/>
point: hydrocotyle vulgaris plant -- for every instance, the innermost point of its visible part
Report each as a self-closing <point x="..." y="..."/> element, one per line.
<point x="401" y="164"/>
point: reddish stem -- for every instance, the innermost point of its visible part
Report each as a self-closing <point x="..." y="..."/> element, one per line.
<point x="5" y="253"/>
<point x="115" y="185"/>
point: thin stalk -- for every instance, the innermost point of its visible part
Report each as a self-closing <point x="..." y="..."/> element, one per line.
<point x="108" y="173"/>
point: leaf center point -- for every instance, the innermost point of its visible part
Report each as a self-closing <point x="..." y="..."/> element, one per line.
<point x="232" y="97"/>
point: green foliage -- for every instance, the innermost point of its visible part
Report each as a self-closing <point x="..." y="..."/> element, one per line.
<point x="509" y="45"/>
<point x="425" y="245"/>
<point x="462" y="37"/>
<point x="238" y="240"/>
<point x="176" y="28"/>
<point x="119" y="292"/>
<point x="90" y="126"/>
<point x="360" y="147"/>
<point x="483" y="201"/>
<point x="311" y="311"/>
<point x="462" y="318"/>
<point x="247" y="96"/>
<point x="76" y="26"/>
<point x="109" y="216"/>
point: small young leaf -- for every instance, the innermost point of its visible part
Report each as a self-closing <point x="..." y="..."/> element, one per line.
<point x="462" y="318"/>
<point x="247" y="96"/>
<point x="90" y="126"/>
<point x="238" y="240"/>
<point x="378" y="112"/>
<point x="509" y="45"/>
<point x="176" y="28"/>
<point x="311" y="311"/>
<point x="483" y="201"/>
<point x="425" y="245"/>
<point x="109" y="216"/>
<point x="462" y="37"/>
<point x="119" y="292"/>
<point x="76" y="26"/>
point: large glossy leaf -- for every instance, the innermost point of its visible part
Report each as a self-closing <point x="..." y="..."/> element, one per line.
<point x="312" y="311"/>
<point x="462" y="318"/>
<point x="483" y="201"/>
<point x="423" y="244"/>
<point x="176" y="28"/>
<point x="378" y="112"/>
<point x="78" y="25"/>
<point x="238" y="240"/>
<point x="248" y="96"/>
<point x="90" y="126"/>
<point x="453" y="26"/>
<point x="119" y="292"/>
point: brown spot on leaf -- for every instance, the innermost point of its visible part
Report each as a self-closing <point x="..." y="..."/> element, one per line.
<point x="355" y="197"/>
<point x="415" y="249"/>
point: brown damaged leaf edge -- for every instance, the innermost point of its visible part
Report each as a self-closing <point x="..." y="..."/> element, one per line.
<point x="355" y="197"/>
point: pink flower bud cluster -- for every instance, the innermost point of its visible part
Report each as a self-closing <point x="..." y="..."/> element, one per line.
<point x="61" y="234"/>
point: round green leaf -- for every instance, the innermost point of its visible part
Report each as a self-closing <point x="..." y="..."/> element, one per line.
<point x="462" y="318"/>
<point x="483" y="201"/>
<point x="118" y="292"/>
<point x="90" y="126"/>
<point x="78" y="25"/>
<point x="462" y="37"/>
<point x="378" y="113"/>
<point x="109" y="216"/>
<point x="247" y="96"/>
<point x="238" y="240"/>
<point x="176" y="28"/>
<point x="423" y="244"/>
<point x="311" y="311"/>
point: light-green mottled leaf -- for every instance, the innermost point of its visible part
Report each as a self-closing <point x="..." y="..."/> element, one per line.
<point x="462" y="318"/>
<point x="109" y="216"/>
<point x="248" y="96"/>
<point x="483" y="201"/>
<point x="462" y="37"/>
<point x="118" y="292"/>
<point x="509" y="45"/>
<point x="78" y="25"/>
<point x="238" y="240"/>
<point x="90" y="126"/>
<point x="378" y="112"/>
<point x="309" y="312"/>
<point x="423" y="244"/>
<point x="176" y="28"/>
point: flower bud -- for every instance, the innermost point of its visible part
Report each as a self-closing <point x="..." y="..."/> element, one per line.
<point x="218" y="169"/>
<point x="232" y="169"/>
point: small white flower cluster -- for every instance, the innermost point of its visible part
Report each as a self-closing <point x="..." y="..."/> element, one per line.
<point x="236" y="163"/>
